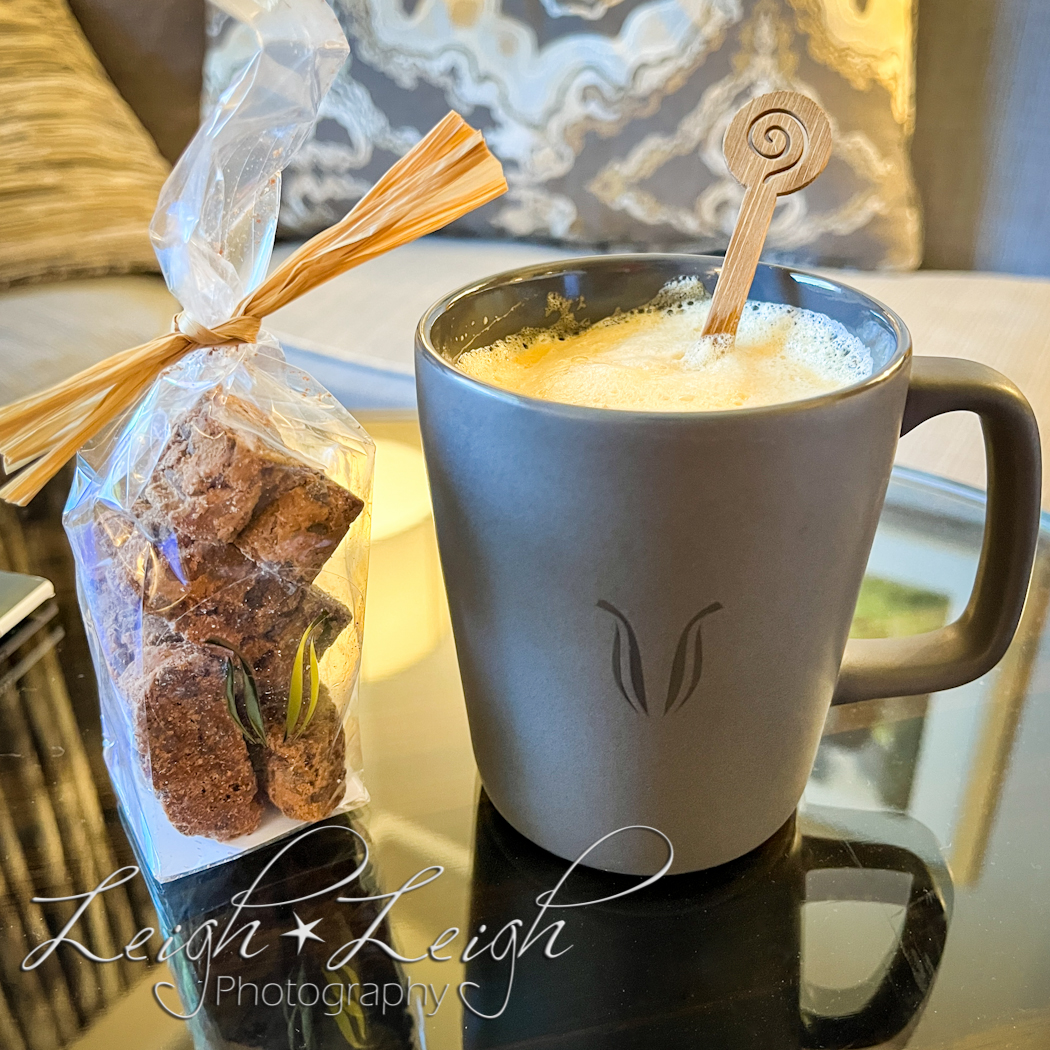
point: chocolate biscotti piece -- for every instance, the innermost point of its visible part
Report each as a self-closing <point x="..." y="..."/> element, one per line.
<point x="230" y="597"/>
<point x="219" y="480"/>
<point x="158" y="573"/>
<point x="198" y="759"/>
<point x="296" y="533"/>
<point x="261" y="621"/>
<point x="116" y="615"/>
<point x="162" y="572"/>
<point x="272" y="656"/>
<point x="211" y="473"/>
<point x="304" y="777"/>
<point x="236" y="600"/>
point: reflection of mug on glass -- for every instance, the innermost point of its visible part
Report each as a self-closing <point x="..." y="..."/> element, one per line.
<point x="651" y="609"/>
<point x="716" y="959"/>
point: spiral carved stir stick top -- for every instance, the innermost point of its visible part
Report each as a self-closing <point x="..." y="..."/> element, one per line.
<point x="775" y="145"/>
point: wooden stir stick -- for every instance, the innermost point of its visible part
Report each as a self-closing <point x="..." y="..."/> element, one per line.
<point x="776" y="144"/>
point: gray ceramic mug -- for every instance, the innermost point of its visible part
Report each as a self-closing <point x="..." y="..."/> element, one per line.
<point x="651" y="610"/>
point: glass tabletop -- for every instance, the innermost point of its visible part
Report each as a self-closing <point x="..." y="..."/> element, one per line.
<point x="906" y="903"/>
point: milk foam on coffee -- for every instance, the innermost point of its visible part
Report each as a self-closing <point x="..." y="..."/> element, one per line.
<point x="654" y="359"/>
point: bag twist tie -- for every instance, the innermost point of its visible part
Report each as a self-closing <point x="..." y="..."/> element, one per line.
<point x="446" y="174"/>
<point x="236" y="330"/>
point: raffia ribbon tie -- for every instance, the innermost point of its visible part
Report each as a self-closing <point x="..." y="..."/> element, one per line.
<point x="446" y="174"/>
<point x="235" y="330"/>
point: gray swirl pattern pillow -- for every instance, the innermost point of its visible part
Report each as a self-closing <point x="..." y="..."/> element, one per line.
<point x="608" y="116"/>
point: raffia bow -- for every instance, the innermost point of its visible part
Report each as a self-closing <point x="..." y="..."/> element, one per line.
<point x="447" y="174"/>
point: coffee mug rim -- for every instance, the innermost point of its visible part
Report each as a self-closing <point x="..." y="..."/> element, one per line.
<point x="426" y="348"/>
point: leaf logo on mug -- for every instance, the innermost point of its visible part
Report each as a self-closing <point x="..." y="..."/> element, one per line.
<point x="686" y="667"/>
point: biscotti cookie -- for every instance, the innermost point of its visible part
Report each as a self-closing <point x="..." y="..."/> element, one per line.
<point x="304" y="775"/>
<point x="196" y="755"/>
<point x="220" y="479"/>
<point x="297" y="532"/>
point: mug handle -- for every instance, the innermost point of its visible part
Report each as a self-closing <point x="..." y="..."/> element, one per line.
<point x="973" y="644"/>
<point x="909" y="977"/>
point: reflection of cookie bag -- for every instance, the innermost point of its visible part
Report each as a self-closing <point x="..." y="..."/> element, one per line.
<point x="280" y="993"/>
<point x="220" y="512"/>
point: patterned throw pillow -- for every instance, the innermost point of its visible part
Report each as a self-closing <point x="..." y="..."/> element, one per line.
<point x="608" y="116"/>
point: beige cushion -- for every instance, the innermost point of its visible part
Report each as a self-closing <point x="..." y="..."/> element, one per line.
<point x="79" y="176"/>
<point x="369" y="316"/>
<point x="1001" y="321"/>
<point x="49" y="332"/>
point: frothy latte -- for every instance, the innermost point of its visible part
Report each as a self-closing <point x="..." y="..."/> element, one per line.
<point x="654" y="359"/>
